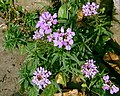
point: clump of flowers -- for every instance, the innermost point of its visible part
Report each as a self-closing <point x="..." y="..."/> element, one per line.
<point x="90" y="9"/>
<point x="89" y="69"/>
<point x="108" y="85"/>
<point x="46" y="20"/>
<point x="40" y="77"/>
<point x="62" y="38"/>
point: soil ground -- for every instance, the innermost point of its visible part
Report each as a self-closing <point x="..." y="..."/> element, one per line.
<point x="10" y="61"/>
<point x="9" y="68"/>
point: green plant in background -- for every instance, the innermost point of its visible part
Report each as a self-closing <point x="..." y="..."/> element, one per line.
<point x="20" y="24"/>
<point x="8" y="10"/>
<point x="66" y="35"/>
<point x="13" y="37"/>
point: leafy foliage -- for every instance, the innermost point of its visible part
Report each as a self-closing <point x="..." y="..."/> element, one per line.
<point x="91" y="36"/>
<point x="13" y="37"/>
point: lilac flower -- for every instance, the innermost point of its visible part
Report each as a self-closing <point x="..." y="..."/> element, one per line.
<point x="46" y="20"/>
<point x="89" y="69"/>
<point x="90" y="9"/>
<point x="49" y="38"/>
<point x="62" y="38"/>
<point x="94" y="8"/>
<point x="38" y="34"/>
<point x="106" y="87"/>
<point x="114" y="89"/>
<point x="109" y="85"/>
<point x="106" y="78"/>
<point x="40" y="77"/>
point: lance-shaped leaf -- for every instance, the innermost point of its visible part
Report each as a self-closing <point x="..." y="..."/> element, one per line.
<point x="63" y="12"/>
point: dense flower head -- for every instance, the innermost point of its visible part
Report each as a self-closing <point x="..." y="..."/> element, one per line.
<point x="40" y="77"/>
<point x="46" y="20"/>
<point x="108" y="85"/>
<point x="62" y="38"/>
<point x="90" y="9"/>
<point x="89" y="69"/>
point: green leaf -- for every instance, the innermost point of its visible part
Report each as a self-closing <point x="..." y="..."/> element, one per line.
<point x="82" y="77"/>
<point x="49" y="91"/>
<point x="63" y="12"/>
<point x="88" y="40"/>
<point x="22" y="49"/>
<point x="56" y="86"/>
<point x="84" y="85"/>
<point x="26" y="84"/>
<point x="105" y="38"/>
<point x="76" y="59"/>
<point x="21" y="80"/>
<point x="70" y="56"/>
<point x="102" y="10"/>
<point x="97" y="39"/>
<point x="62" y="21"/>
<point x="33" y="91"/>
<point x="88" y="47"/>
<point x="22" y="89"/>
<point x="106" y="32"/>
<point x="92" y="83"/>
<point x="64" y="61"/>
<point x="73" y="57"/>
<point x="40" y="56"/>
<point x="55" y="58"/>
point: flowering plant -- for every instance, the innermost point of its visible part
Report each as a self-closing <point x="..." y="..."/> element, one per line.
<point x="65" y="46"/>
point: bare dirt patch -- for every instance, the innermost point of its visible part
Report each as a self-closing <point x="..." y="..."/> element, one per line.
<point x="9" y="68"/>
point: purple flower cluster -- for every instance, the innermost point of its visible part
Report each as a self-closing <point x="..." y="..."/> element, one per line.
<point x="46" y="20"/>
<point x="108" y="85"/>
<point x="89" y="69"/>
<point x="40" y="77"/>
<point x="62" y="38"/>
<point x="90" y="9"/>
